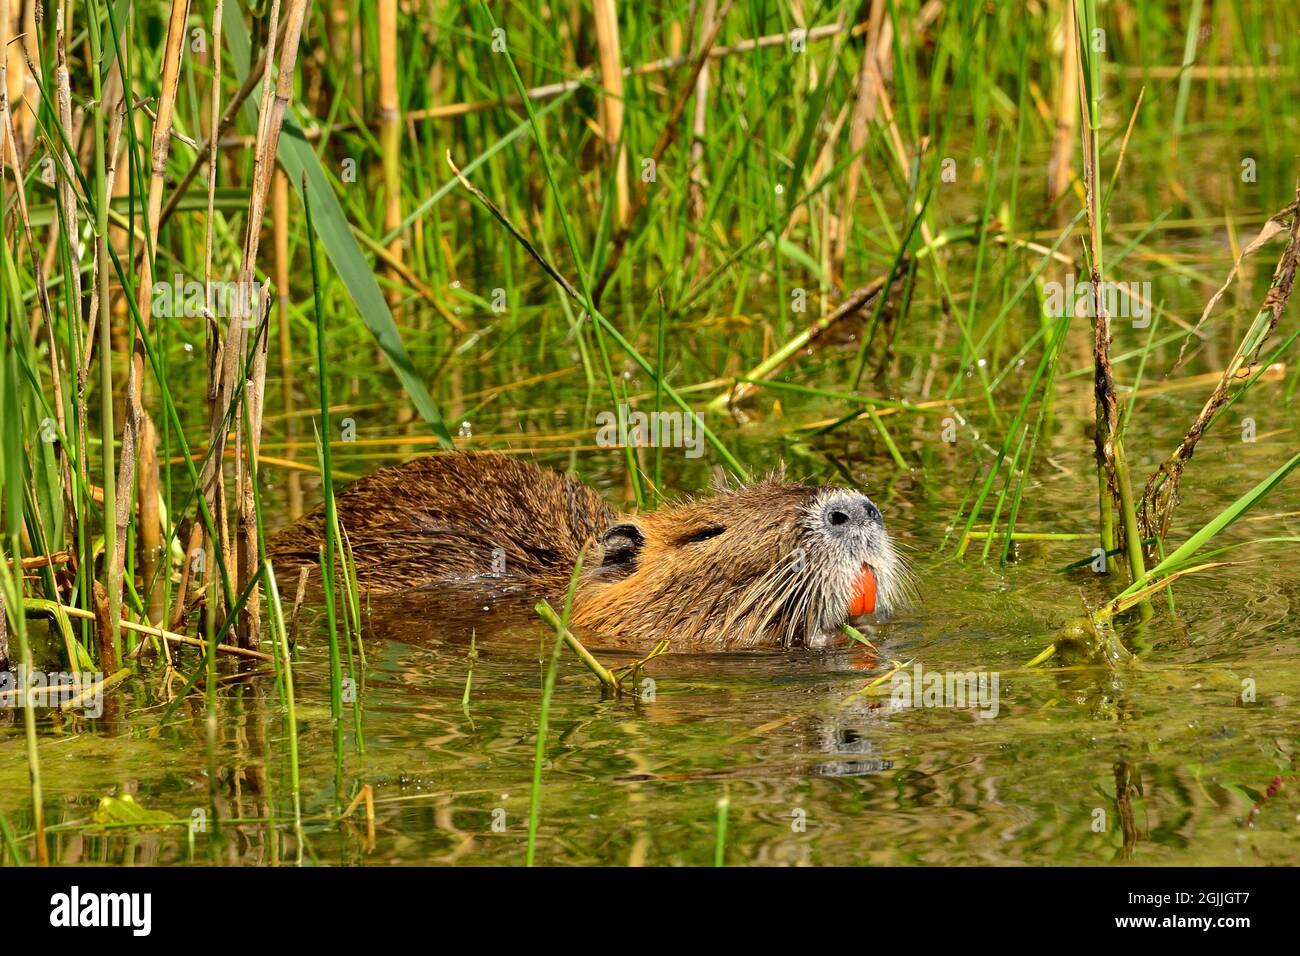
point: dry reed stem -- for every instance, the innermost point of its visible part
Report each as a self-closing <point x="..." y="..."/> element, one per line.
<point x="275" y="103"/>
<point x="209" y="147"/>
<point x="160" y="148"/>
<point x="96" y="689"/>
<point x="1160" y="496"/>
<point x="611" y="104"/>
<point x="183" y="590"/>
<point x="1103" y="378"/>
<point x="40" y="561"/>
<point x="214" y="107"/>
<point x="280" y="218"/>
<point x="298" y="597"/>
<point x="114" y="107"/>
<point x="212" y="480"/>
<point x="666" y="137"/>
<point x="67" y="206"/>
<point x="390" y="132"/>
<point x="1115" y="491"/>
<point x="854" y="302"/>
<point x="695" y="188"/>
<point x="1121" y="484"/>
<point x="150" y="631"/>
<point x="550" y="90"/>
<point x="229" y="384"/>
<point x="869" y="81"/>
<point x="153" y="553"/>
<point x="5" y="146"/>
<point x="106" y="627"/>
<point x="19" y="85"/>
<point x="1067" y="113"/>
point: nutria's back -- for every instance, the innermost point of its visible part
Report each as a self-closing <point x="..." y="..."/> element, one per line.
<point x="455" y="516"/>
<point x="773" y="563"/>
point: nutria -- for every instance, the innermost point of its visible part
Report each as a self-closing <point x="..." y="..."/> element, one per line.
<point x="771" y="563"/>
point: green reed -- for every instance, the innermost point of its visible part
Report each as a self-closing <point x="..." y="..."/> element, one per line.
<point x="720" y="833"/>
<point x="11" y="480"/>
<point x="544" y="712"/>
<point x="329" y="551"/>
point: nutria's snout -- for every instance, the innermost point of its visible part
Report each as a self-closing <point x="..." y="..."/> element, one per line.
<point x="856" y="572"/>
<point x="848" y="513"/>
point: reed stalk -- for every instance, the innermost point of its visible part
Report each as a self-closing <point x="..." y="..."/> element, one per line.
<point x="605" y="14"/>
<point x="869" y="82"/>
<point x="699" y="124"/>
<point x="561" y="626"/>
<point x="390" y="134"/>
<point x="328" y="552"/>
<point x="1160" y="496"/>
<point x="11" y="484"/>
<point x="133" y="425"/>
<point x="720" y="835"/>
<point x="1113" y="483"/>
<point x="99" y="272"/>
<point x="288" y="396"/>
<point x="283" y="659"/>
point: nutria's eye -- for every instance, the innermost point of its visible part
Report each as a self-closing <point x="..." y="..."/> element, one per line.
<point x="622" y="544"/>
<point x="704" y="534"/>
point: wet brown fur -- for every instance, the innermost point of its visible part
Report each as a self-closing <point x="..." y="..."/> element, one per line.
<point x="687" y="584"/>
<point x="440" y="518"/>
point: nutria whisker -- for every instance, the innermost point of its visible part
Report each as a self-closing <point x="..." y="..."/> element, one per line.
<point x="783" y="587"/>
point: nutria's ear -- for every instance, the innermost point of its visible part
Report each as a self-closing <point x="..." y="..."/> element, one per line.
<point x="622" y="544"/>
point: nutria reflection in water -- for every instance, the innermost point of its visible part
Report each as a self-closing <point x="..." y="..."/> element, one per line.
<point x="769" y="564"/>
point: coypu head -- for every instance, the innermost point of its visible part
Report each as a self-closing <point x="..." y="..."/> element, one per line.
<point x="774" y="564"/>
